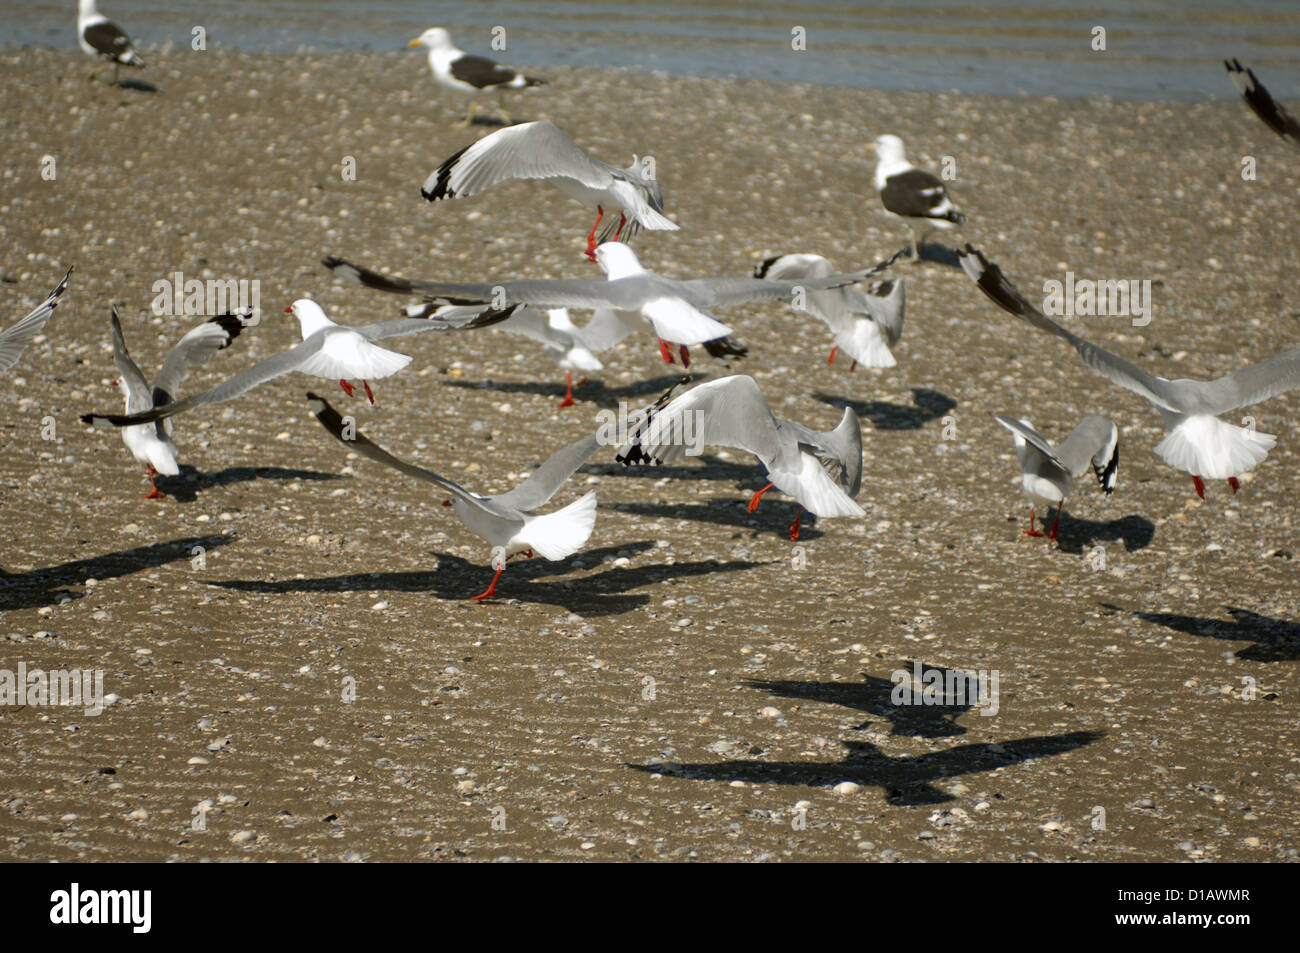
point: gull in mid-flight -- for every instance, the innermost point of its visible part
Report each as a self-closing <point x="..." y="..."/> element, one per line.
<point x="14" y="340"/>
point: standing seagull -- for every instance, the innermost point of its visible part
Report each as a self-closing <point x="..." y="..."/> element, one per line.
<point x="912" y="194"/>
<point x="328" y="350"/>
<point x="458" y="70"/>
<point x="675" y="309"/>
<point x="505" y="520"/>
<point x="1047" y="473"/>
<point x="866" y="324"/>
<point x="1264" y="105"/>
<point x="100" y="36"/>
<point x="1199" y="442"/>
<point x="151" y="444"/>
<point x="14" y="340"/>
<point x="539" y="150"/>
<point x="731" y="412"/>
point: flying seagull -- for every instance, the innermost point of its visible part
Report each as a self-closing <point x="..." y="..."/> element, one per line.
<point x="507" y="521"/>
<point x="912" y="194"/>
<point x="1047" y="473"/>
<point x="1199" y="442"/>
<point x="328" y="350"/>
<point x="14" y="340"/>
<point x="151" y="444"/>
<point x="731" y="412"/>
<point x="470" y="75"/>
<point x="101" y="37"/>
<point x="866" y="324"/>
<point x="677" y="310"/>
<point x="539" y="150"/>
<point x="1264" y="105"/>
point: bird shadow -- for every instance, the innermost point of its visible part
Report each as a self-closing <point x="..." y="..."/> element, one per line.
<point x="136" y="85"/>
<point x="927" y="405"/>
<point x="905" y="780"/>
<point x="875" y="696"/>
<point x="185" y="488"/>
<point x="42" y="587"/>
<point x="603" y="592"/>
<point x="727" y="513"/>
<point x="1276" y="640"/>
<point x="593" y="392"/>
<point x="713" y="468"/>
<point x="1076" y="534"/>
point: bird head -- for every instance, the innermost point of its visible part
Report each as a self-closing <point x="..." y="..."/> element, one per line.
<point x="311" y="317"/>
<point x="618" y="260"/>
<point x="435" y="38"/>
<point x="889" y="148"/>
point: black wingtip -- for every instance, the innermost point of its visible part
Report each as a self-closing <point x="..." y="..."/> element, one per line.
<point x="761" y="269"/>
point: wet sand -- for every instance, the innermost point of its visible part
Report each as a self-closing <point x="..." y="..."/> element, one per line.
<point x="691" y="686"/>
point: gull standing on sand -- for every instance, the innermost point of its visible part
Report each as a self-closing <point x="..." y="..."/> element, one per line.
<point x="539" y="150"/>
<point x="468" y="74"/>
<point x="1047" y="473"/>
<point x="912" y="194"/>
<point x="731" y="412"/>
<point x="1264" y="105"/>
<point x="101" y="37"/>
<point x="866" y="324"/>
<point x="328" y="350"/>
<point x="506" y="520"/>
<point x="152" y="444"/>
<point x="14" y="340"/>
<point x="675" y="309"/>
<point x="1199" y="442"/>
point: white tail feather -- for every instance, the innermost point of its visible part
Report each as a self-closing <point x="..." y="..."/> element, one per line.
<point x="562" y="533"/>
<point x="1208" y="447"/>
<point x="815" y="491"/>
<point x="865" y="344"/>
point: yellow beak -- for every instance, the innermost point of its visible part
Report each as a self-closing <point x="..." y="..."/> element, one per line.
<point x="415" y="42"/>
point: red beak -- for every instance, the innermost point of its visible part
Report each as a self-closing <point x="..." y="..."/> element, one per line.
<point x="446" y="502"/>
<point x="289" y="310"/>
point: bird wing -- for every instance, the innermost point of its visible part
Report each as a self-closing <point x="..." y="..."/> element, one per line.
<point x="917" y="194"/>
<point x="840" y="449"/>
<point x="14" y="340"/>
<point x="481" y="72"/>
<point x="721" y="292"/>
<point x="1034" y="439"/>
<point x="196" y="348"/>
<point x="449" y="318"/>
<point x="137" y="388"/>
<point x="543" y="482"/>
<point x="1264" y="105"/>
<point x="1095" y="441"/>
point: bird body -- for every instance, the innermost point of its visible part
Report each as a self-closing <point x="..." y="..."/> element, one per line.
<point x="100" y="37"/>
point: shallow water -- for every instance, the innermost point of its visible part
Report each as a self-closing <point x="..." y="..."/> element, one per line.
<point x="1155" y="49"/>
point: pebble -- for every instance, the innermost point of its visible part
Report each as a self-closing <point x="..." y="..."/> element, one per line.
<point x="847" y="787"/>
<point x="242" y="837"/>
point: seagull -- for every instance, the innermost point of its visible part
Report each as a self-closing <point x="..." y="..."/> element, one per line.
<point x="865" y="324"/>
<point x="152" y="444"/>
<point x="1199" y="442"/>
<point x="458" y="70"/>
<point x="731" y="412"/>
<point x="100" y="36"/>
<point x="1047" y="473"/>
<point x="14" y="340"/>
<point x="675" y="309"/>
<point x="912" y="194"/>
<point x="1264" y="105"/>
<point x="328" y="350"/>
<point x="507" y="520"/>
<point x="539" y="150"/>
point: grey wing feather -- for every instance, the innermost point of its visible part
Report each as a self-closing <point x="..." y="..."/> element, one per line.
<point x="840" y="449"/>
<point x="720" y="292"/>
<point x="457" y="318"/>
<point x="137" y="388"/>
<point x="535" y="150"/>
<point x="1250" y="385"/>
<point x="1036" y="440"/>
<point x="543" y="482"/>
<point x="14" y="340"/>
<point x="1095" y="442"/>
<point x="195" y="349"/>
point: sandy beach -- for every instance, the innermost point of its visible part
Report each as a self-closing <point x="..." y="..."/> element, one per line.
<point x="693" y="685"/>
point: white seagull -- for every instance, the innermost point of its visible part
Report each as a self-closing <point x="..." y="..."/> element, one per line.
<point x="539" y="150"/>
<point x="912" y="194"/>
<point x="1047" y="473"/>
<point x="675" y="309"/>
<point x="1261" y="101"/>
<point x="506" y="521"/>
<point x="866" y="324"/>
<point x="468" y="74"/>
<point x="328" y="350"/>
<point x="152" y="444"/>
<point x="1199" y="443"/>
<point x="731" y="412"/>
<point x="14" y="340"/>
<point x="101" y="37"/>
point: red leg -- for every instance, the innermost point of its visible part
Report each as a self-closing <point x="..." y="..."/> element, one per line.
<point x="853" y="367"/>
<point x="1200" y="486"/>
<point x="154" y="493"/>
<point x="794" y="527"/>
<point x="1055" y="523"/>
<point x="831" y="359"/>
<point x="622" y="220"/>
<point x="568" y="390"/>
<point x="591" y="236"/>
<point x="666" y="351"/>
<point x="686" y="356"/>
<point x="1031" y="531"/>
<point x="753" y="500"/>
<point x="492" y="589"/>
<point x="369" y="393"/>
<point x="1234" y="483"/>
<point x="347" y="388"/>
